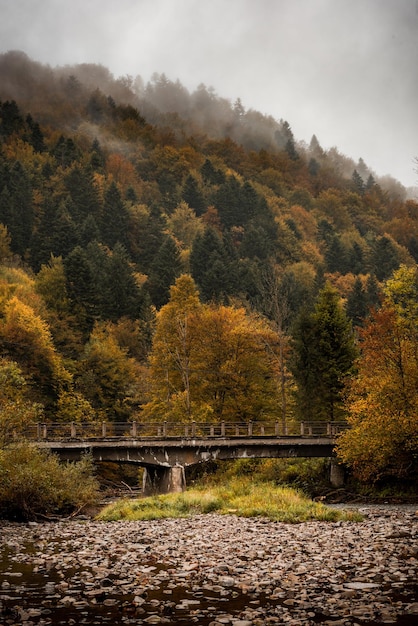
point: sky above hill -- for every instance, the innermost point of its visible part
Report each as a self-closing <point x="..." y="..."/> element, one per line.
<point x="344" y="70"/>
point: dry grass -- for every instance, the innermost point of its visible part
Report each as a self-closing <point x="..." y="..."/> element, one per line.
<point x="240" y="496"/>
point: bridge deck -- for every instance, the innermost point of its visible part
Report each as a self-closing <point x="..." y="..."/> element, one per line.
<point x="165" y="450"/>
<point x="187" y="452"/>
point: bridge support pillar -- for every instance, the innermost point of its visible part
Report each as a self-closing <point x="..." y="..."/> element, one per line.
<point x="160" y="479"/>
<point x="337" y="474"/>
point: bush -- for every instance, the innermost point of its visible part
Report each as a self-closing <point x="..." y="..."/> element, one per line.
<point x="33" y="483"/>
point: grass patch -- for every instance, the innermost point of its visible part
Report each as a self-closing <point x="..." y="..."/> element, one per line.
<point x="241" y="496"/>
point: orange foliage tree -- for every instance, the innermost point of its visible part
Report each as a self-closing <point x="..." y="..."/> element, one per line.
<point x="383" y="398"/>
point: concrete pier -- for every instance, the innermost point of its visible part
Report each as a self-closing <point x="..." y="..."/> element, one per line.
<point x="337" y="474"/>
<point x="161" y="479"/>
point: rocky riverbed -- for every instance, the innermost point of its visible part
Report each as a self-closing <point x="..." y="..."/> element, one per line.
<point x="212" y="570"/>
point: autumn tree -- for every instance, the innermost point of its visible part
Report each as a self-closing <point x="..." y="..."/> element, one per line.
<point x="51" y="285"/>
<point x="107" y="377"/>
<point x="237" y="365"/>
<point x="383" y="398"/>
<point x="17" y="411"/>
<point x="210" y="362"/>
<point x="5" y="241"/>
<point x="276" y="301"/>
<point x="27" y="338"/>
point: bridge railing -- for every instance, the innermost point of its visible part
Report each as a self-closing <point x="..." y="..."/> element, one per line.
<point x="167" y="430"/>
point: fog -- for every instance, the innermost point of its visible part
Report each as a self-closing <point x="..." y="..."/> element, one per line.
<point x="345" y="71"/>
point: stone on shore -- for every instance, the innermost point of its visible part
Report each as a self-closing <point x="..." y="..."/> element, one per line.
<point x="212" y="570"/>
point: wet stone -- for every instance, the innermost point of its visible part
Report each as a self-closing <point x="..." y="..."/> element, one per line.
<point x="212" y="570"/>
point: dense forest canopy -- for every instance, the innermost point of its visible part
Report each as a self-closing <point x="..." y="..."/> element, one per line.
<point x="146" y="230"/>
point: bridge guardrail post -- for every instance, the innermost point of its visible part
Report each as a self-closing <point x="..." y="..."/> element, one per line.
<point x="41" y="430"/>
<point x="193" y="429"/>
<point x="164" y="429"/>
<point x="73" y="430"/>
<point x="276" y="428"/>
<point x="104" y="429"/>
<point x="250" y="428"/>
<point x="134" y="429"/>
<point x="222" y="429"/>
<point x="302" y="429"/>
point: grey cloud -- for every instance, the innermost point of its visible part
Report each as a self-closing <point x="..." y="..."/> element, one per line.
<point x="345" y="71"/>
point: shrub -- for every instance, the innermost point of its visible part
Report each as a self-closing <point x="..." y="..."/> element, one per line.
<point x="33" y="483"/>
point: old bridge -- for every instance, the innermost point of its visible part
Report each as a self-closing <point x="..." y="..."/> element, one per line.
<point x="164" y="450"/>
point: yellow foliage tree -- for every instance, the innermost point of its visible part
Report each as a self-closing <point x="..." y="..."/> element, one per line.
<point x="383" y="398"/>
<point x="16" y="410"/>
<point x="210" y="363"/>
<point x="27" y="337"/>
<point x="108" y="378"/>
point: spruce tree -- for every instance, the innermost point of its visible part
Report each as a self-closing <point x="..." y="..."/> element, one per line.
<point x="357" y="308"/>
<point x="324" y="354"/>
<point x="165" y="268"/>
<point x="115" y="218"/>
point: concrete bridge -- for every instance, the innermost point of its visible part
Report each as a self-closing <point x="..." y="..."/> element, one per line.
<point x="164" y="450"/>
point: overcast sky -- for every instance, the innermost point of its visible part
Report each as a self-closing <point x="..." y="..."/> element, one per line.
<point x="344" y="70"/>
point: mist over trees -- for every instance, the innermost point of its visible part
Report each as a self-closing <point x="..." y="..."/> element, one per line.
<point x="167" y="253"/>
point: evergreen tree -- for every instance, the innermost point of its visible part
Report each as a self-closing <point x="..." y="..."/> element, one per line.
<point x="89" y="231"/>
<point x="227" y="201"/>
<point x="373" y="295"/>
<point x="313" y="167"/>
<point x="20" y="208"/>
<point x="83" y="194"/>
<point x="211" y="175"/>
<point x="193" y="196"/>
<point x="336" y="255"/>
<point x="324" y="354"/>
<point x="357" y="308"/>
<point x="210" y="266"/>
<point x="11" y="121"/>
<point x="303" y="366"/>
<point x="63" y="235"/>
<point x="385" y="258"/>
<point x="97" y="159"/>
<point x="165" y="268"/>
<point x="358" y="183"/>
<point x="115" y="218"/>
<point x="79" y="279"/>
<point x="249" y="202"/>
<point x="256" y="243"/>
<point x="122" y="296"/>
<point x="65" y="152"/>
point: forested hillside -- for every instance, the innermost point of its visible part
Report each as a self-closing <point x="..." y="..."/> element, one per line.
<point x="170" y="255"/>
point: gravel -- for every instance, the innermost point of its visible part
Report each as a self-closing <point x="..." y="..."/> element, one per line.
<point x="212" y="570"/>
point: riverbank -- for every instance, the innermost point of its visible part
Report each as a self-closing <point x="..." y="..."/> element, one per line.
<point x="212" y="570"/>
